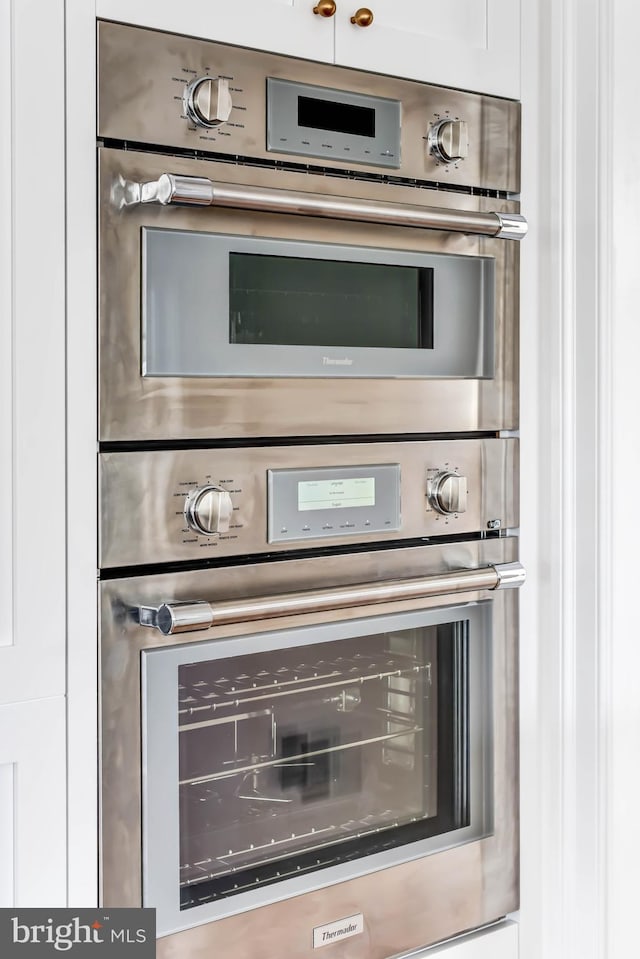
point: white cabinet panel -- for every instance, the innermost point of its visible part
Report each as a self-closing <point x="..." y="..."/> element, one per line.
<point x="6" y="330"/>
<point x="497" y="942"/>
<point x="32" y="351"/>
<point x="7" y="817"/>
<point x="33" y="804"/>
<point x="469" y="44"/>
<point x="284" y="26"/>
<point x="82" y="546"/>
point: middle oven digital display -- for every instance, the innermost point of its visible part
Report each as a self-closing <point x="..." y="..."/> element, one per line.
<point x="336" y="493"/>
<point x="329" y="501"/>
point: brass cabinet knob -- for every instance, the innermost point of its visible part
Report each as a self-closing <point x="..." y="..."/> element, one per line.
<point x="362" y="17"/>
<point x="326" y="8"/>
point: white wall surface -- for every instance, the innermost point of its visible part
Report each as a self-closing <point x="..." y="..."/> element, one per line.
<point x="620" y="703"/>
<point x="563" y="322"/>
<point x="581" y="443"/>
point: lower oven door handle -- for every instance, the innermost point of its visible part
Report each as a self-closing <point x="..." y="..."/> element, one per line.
<point x="170" y="188"/>
<point x="186" y="617"/>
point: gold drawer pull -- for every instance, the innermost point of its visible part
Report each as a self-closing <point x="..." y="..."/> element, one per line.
<point x="362" y="17"/>
<point x="325" y="8"/>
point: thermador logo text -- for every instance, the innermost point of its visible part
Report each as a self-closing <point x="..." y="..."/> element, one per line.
<point x="339" y="933"/>
<point x="334" y="932"/>
<point x="329" y="361"/>
<point x="38" y="933"/>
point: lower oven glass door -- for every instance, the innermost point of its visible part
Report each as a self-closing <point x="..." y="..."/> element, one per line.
<point x="281" y="762"/>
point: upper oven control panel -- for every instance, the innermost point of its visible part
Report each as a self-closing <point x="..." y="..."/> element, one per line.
<point x="172" y="91"/>
<point x="170" y="505"/>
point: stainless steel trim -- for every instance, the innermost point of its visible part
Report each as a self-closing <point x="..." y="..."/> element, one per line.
<point x="143" y="492"/>
<point x="510" y="575"/>
<point x="170" y="188"/>
<point x="176" y="617"/>
<point x="512" y="226"/>
<point x="171" y="618"/>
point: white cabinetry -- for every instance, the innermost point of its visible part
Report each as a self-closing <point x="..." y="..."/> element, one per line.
<point x="283" y="26"/>
<point x="32" y="804"/>
<point x="32" y="457"/>
<point x="497" y="942"/>
<point x="462" y="43"/>
<point x="32" y="353"/>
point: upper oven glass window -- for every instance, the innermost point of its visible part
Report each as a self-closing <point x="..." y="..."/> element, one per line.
<point x="369" y="745"/>
<point x="219" y="305"/>
<point x="293" y="301"/>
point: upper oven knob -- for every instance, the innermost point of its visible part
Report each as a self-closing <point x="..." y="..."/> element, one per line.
<point x="448" y="140"/>
<point x="208" y="510"/>
<point x="207" y="101"/>
<point x="447" y="493"/>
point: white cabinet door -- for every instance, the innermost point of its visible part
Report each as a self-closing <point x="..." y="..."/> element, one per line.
<point x="497" y="942"/>
<point x="284" y="26"/>
<point x="470" y="44"/>
<point x="32" y="351"/>
<point x="33" y="804"/>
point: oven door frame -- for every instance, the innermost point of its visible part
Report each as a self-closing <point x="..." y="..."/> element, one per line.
<point x="404" y="906"/>
<point x="138" y="408"/>
<point x="160" y="745"/>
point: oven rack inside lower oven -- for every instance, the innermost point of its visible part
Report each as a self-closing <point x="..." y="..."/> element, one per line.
<point x="262" y="846"/>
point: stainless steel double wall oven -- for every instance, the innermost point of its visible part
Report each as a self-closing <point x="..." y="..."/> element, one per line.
<point x="308" y="501"/>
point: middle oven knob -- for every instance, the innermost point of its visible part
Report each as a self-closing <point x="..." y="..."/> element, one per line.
<point x="447" y="493"/>
<point x="448" y="140"/>
<point x="208" y="510"/>
<point x="207" y="101"/>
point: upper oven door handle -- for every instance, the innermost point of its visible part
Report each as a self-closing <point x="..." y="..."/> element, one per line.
<point x="186" y="617"/>
<point x="199" y="191"/>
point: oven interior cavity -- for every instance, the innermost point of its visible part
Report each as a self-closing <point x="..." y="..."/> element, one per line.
<point x="295" y="760"/>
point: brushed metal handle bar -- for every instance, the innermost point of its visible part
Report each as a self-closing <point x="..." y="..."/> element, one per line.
<point x="183" y="617"/>
<point x="170" y="189"/>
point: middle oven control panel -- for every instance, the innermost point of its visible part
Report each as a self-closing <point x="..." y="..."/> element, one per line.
<point x="183" y="505"/>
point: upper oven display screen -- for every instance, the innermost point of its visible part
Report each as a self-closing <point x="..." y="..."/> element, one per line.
<point x="340" y="125"/>
<point x="337" y="117"/>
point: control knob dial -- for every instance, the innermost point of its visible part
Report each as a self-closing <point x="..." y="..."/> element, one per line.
<point x="447" y="493"/>
<point x="448" y="140"/>
<point x="207" y="101"/>
<point x="208" y="510"/>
